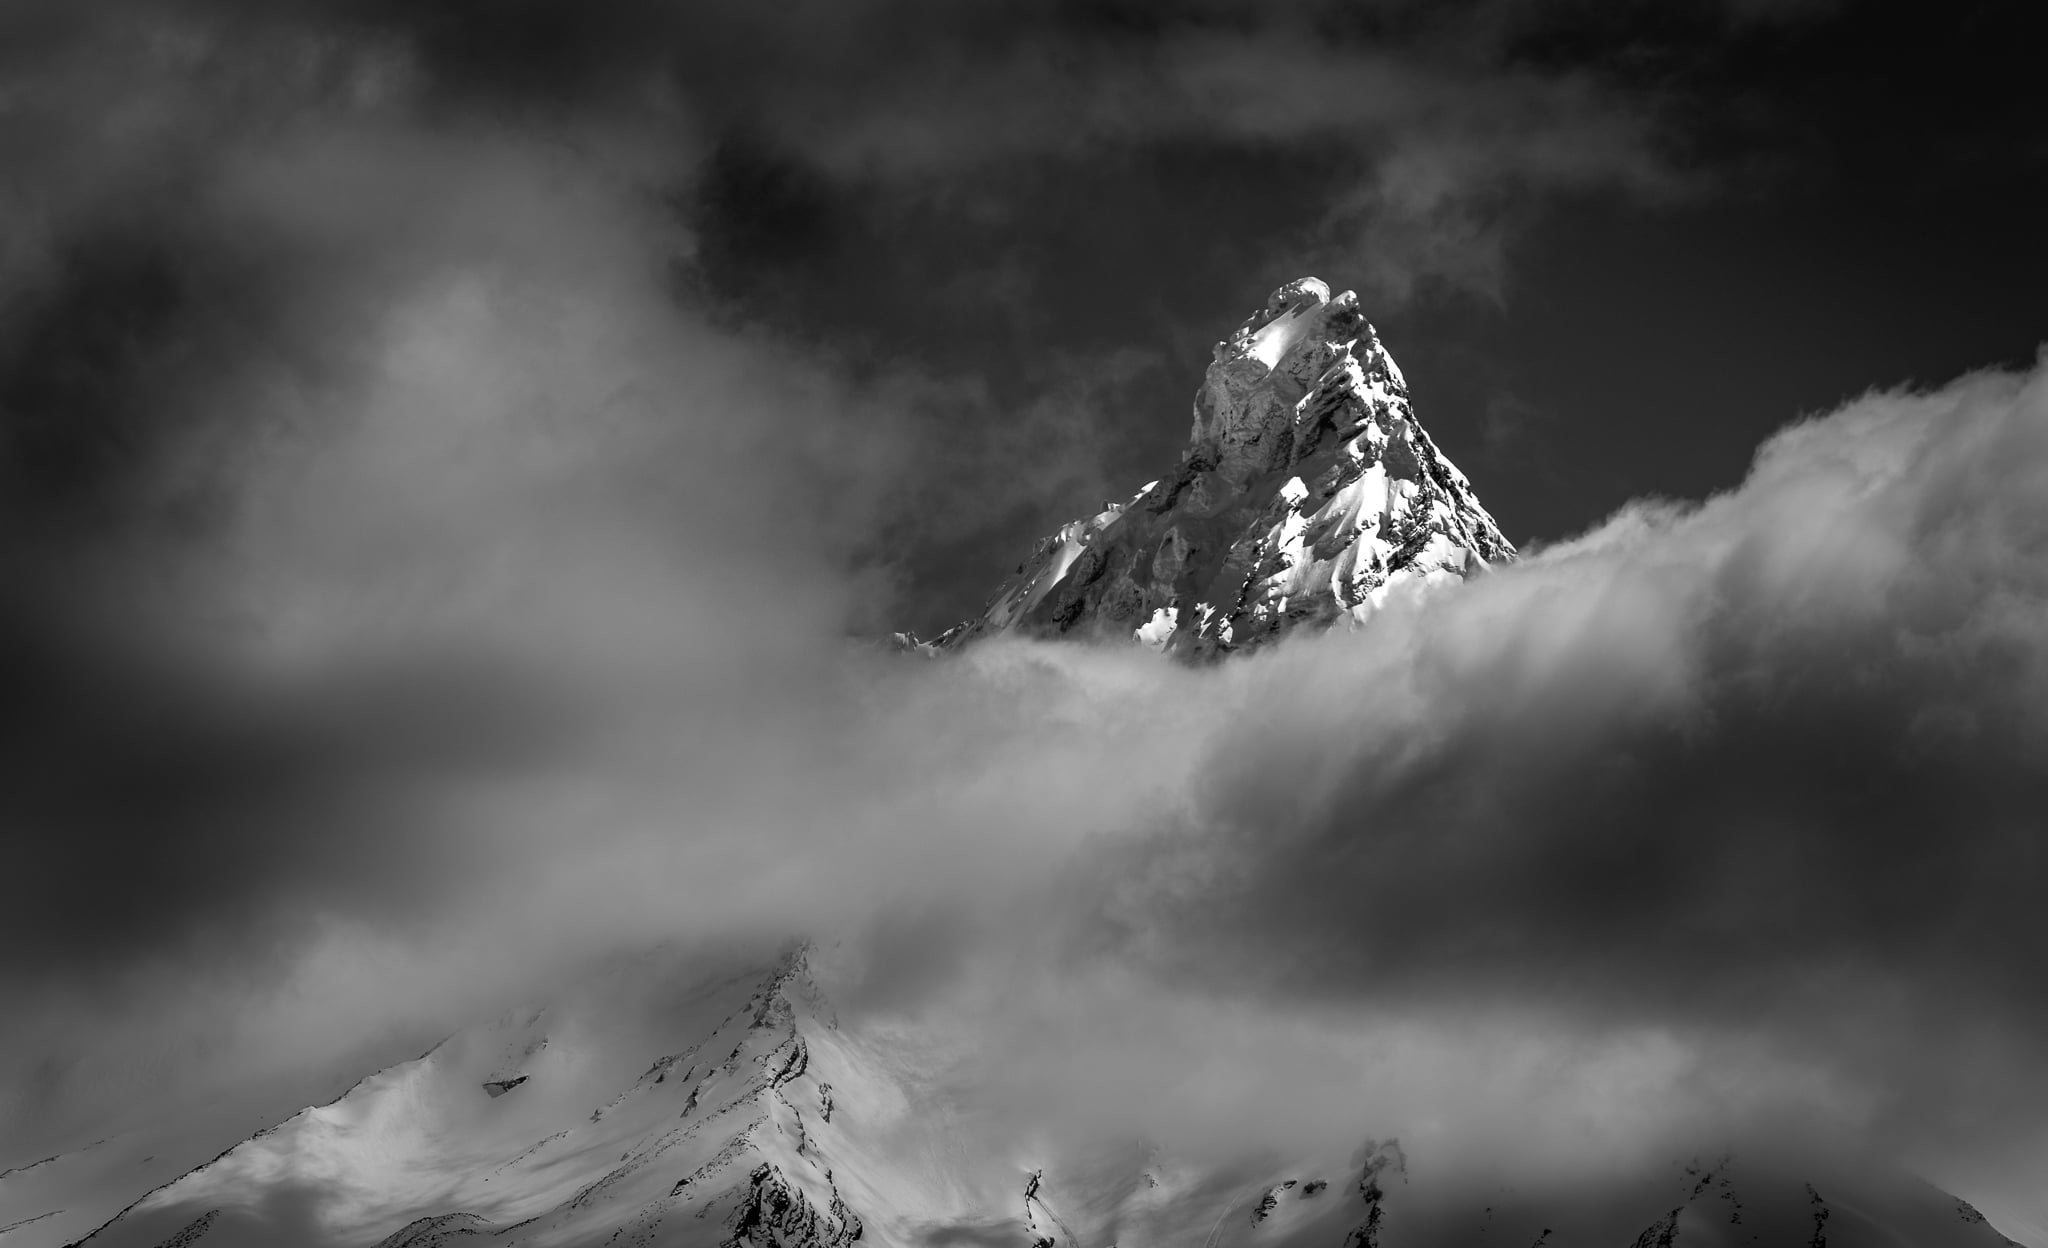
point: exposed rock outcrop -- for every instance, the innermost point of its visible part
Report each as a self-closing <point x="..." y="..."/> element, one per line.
<point x="1380" y="1161"/>
<point x="1307" y="493"/>
<point x="774" y="1213"/>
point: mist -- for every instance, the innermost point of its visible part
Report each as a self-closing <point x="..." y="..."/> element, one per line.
<point x="1495" y="867"/>
<point x="424" y="587"/>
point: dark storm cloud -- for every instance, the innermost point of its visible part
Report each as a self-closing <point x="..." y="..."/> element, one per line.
<point x="156" y="796"/>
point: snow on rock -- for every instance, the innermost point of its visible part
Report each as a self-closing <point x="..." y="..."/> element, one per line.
<point x="1308" y="493"/>
<point x="670" y="1111"/>
<point x="725" y="1141"/>
<point x="1381" y="1160"/>
<point x="454" y="1228"/>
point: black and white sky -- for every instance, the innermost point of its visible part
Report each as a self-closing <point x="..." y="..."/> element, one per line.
<point x="446" y="449"/>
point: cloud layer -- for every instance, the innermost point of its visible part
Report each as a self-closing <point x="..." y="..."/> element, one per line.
<point x="1714" y="818"/>
<point x="1763" y="768"/>
<point x="1716" y="821"/>
<point x="426" y="582"/>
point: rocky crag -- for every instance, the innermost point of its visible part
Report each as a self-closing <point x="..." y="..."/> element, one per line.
<point x="1308" y="493"/>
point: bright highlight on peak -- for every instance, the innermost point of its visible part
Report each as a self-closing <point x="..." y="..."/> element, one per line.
<point x="1307" y="496"/>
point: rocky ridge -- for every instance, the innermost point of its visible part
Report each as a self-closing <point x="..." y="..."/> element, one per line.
<point x="1307" y="494"/>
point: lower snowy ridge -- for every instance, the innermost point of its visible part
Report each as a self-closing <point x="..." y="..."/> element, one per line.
<point x="666" y="1109"/>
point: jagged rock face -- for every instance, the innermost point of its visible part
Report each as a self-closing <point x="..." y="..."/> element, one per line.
<point x="1307" y="493"/>
<point x="775" y="1214"/>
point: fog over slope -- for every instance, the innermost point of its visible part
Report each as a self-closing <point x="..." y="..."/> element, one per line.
<point x="412" y="601"/>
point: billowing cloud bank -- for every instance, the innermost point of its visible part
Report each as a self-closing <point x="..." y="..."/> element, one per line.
<point x="1764" y="773"/>
<point x="1716" y="818"/>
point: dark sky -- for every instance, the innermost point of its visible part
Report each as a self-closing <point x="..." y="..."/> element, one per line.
<point x="1613" y="245"/>
<point x="1810" y="200"/>
<point x="444" y="449"/>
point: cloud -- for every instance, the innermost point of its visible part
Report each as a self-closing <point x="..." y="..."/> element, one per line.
<point x="423" y="590"/>
<point x="1761" y="772"/>
<point x="1430" y="136"/>
<point x="1717" y="823"/>
<point x="356" y="453"/>
<point x="1707" y="714"/>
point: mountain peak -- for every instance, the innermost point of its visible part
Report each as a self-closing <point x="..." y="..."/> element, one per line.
<point x="1307" y="494"/>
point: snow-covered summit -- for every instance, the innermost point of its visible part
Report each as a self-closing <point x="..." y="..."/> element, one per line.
<point x="1307" y="493"/>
